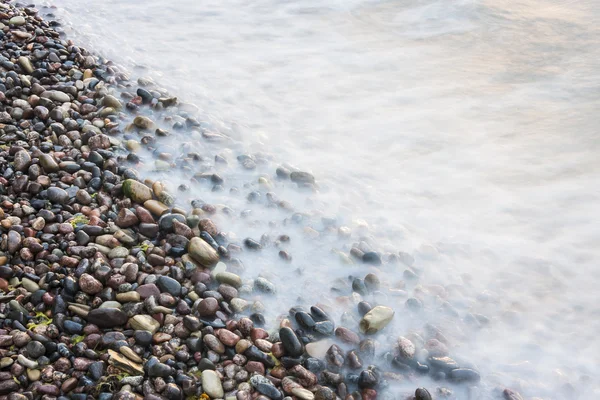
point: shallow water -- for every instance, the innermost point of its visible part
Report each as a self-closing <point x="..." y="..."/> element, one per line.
<point x="462" y="132"/>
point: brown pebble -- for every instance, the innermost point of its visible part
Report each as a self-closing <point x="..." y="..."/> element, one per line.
<point x="346" y="335"/>
<point x="228" y="338"/>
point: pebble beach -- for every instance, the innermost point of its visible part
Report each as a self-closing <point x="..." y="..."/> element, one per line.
<point x="120" y="280"/>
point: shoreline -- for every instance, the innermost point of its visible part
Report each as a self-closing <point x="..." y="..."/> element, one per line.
<point x="111" y="289"/>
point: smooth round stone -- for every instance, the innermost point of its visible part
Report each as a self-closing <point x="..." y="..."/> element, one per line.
<point x="156" y="207"/>
<point x="143" y="122"/>
<point x="89" y="284"/>
<point x="118" y="252"/>
<point x="111" y="101"/>
<point x="48" y="163"/>
<point x="57" y="195"/>
<point x="30" y="285"/>
<point x="6" y="362"/>
<point x="302" y="177"/>
<point x="291" y="343"/>
<point x="96" y="370"/>
<point x="204" y="254"/>
<point x="143" y="338"/>
<point x="35" y="349"/>
<point x="304" y="319"/>
<point x="211" y="384"/>
<point x="169" y="285"/>
<point x="145" y="95"/>
<point x="58" y="96"/>
<point x="167" y="220"/>
<point x="8" y="386"/>
<point x="17" y="21"/>
<point x="160" y="370"/>
<point x="372" y="258"/>
<point x="208" y="307"/>
<point x="229" y="278"/>
<point x="136" y="191"/>
<point x="238" y="305"/>
<point x="364" y="307"/>
<point x="34" y="375"/>
<point x="372" y="282"/>
<point x="14" y="241"/>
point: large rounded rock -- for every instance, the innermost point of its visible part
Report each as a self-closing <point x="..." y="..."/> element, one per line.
<point x="211" y="384"/>
<point x="201" y="252"/>
<point x="136" y="191"/>
<point x="376" y="319"/>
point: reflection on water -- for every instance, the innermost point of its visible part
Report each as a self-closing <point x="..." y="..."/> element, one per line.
<point x="469" y="126"/>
